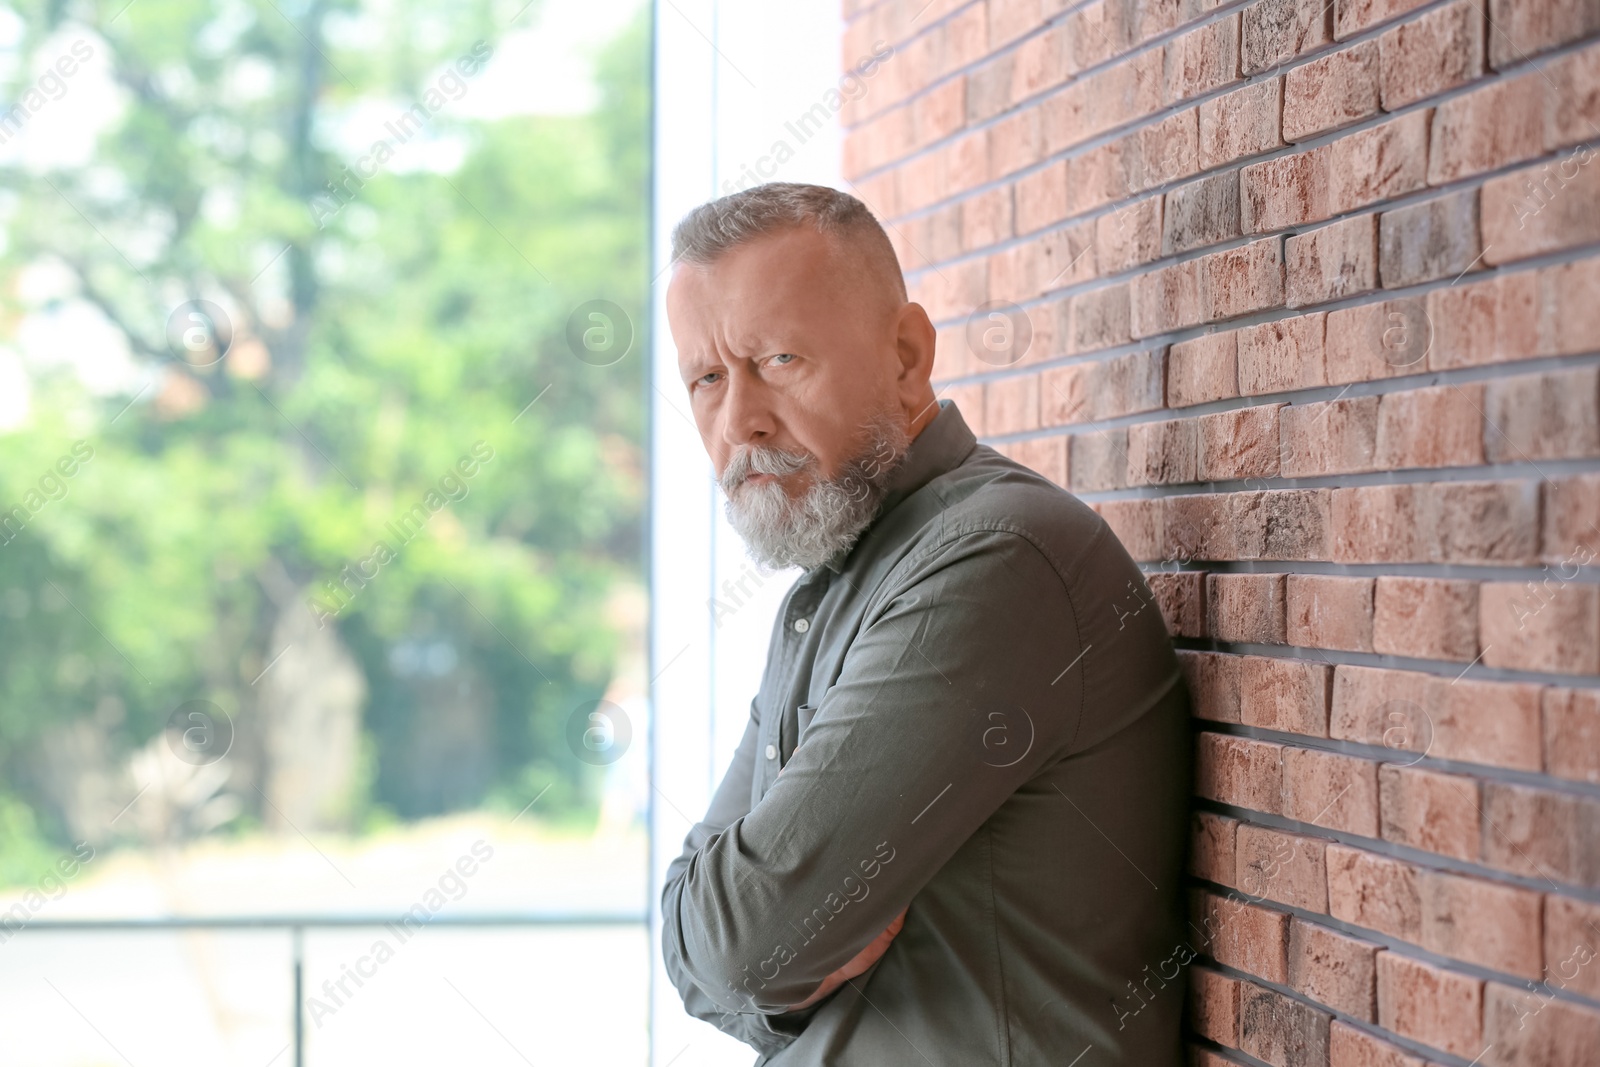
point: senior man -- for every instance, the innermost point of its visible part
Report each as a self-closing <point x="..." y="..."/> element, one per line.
<point x="954" y="828"/>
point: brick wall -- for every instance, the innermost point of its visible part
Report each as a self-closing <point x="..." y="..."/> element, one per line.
<point x="1305" y="300"/>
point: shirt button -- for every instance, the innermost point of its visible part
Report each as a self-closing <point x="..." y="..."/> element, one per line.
<point x="802" y="625"/>
<point x="772" y="751"/>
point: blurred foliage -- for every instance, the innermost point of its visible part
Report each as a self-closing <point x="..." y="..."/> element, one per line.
<point x="376" y="339"/>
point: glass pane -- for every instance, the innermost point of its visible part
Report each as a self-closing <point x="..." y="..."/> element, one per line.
<point x="322" y="592"/>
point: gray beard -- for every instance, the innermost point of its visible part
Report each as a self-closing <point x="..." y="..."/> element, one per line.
<point x="807" y="532"/>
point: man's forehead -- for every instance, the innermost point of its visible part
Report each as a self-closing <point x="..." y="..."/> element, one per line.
<point x="776" y="268"/>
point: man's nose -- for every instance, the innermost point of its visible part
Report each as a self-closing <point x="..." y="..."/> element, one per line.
<point x="746" y="413"/>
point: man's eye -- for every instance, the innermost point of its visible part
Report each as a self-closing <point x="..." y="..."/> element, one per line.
<point x="782" y="357"/>
<point x="704" y="379"/>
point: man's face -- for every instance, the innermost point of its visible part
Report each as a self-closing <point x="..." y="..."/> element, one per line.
<point x="794" y="371"/>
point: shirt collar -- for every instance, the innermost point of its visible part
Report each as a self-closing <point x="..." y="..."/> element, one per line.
<point x="940" y="447"/>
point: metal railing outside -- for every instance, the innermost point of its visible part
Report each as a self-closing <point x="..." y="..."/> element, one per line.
<point x="296" y="925"/>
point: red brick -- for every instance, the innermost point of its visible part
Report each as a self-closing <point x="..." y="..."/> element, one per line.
<point x="1329" y="437"/>
<point x="1541" y="833"/>
<point x="1287" y="524"/>
<point x="1042" y="197"/>
<point x="1376" y="892"/>
<point x="1012" y="405"/>
<point x="1333" y="262"/>
<point x="1086" y="392"/>
<point x="1523" y="29"/>
<point x="1061" y="257"/>
<point x="1161" y="453"/>
<point x="1214" y="1005"/>
<point x="1203" y="1057"/>
<point x="1548" y="626"/>
<point x="1438" y="427"/>
<point x="1481" y="522"/>
<point x="1431" y="1005"/>
<point x="1477" y="921"/>
<point x="1100" y="30"/>
<point x="1010" y="19"/>
<point x="1282" y="355"/>
<point x="1289" y="695"/>
<point x="1379" y="524"/>
<point x="1100" y="318"/>
<point x="1349" y="1047"/>
<point x="1544" y="208"/>
<point x="1201" y="61"/>
<point x="1427" y="618"/>
<point x="1331" y="92"/>
<point x="1504" y="318"/>
<point x="1555" y="415"/>
<point x="1525" y="1029"/>
<point x="1485" y="722"/>
<point x="1241" y="443"/>
<point x="1428" y="810"/>
<point x="1439" y="51"/>
<point x="1572" y="734"/>
<point x="1098" y="461"/>
<point x="1285" y="868"/>
<point x="1137" y="524"/>
<point x="1129" y="236"/>
<point x="1572" y="945"/>
<point x="1241" y="280"/>
<point x="1330" y="789"/>
<point x="1569" y="316"/>
<point x="1491" y="127"/>
<point x="1242" y="123"/>
<point x="1275" y="31"/>
<point x="1379" y="162"/>
<point x="1167" y="299"/>
<point x="1213" y="679"/>
<point x="1280" y="1030"/>
<point x="1166" y="151"/>
<point x="1380" y="340"/>
<point x="1239" y="771"/>
<point x="1330" y="611"/>
<point x="1203" y="369"/>
<point x="1101" y="176"/>
<point x="1572" y="107"/>
<point x="1378" y="706"/>
<point x="1285" y="191"/>
<point x="1042" y="62"/>
<point x="1434" y="239"/>
<point x="1245" y="937"/>
<point x="1211" y="854"/>
<point x="1443" y="522"/>
<point x="1012" y="143"/>
<point x="1333" y="969"/>
<point x="1245" y="607"/>
<point x="940" y="111"/>
<point x="1201" y="213"/>
<point x="1495" y="723"/>
<point x="986" y="219"/>
<point x="1352" y="16"/>
<point x="1180" y="596"/>
<point x="1199" y="526"/>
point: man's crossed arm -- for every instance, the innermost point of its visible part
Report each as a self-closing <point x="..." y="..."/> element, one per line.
<point x="769" y="908"/>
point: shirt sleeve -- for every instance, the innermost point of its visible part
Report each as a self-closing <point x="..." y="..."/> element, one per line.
<point x="963" y="682"/>
<point x="765" y="1033"/>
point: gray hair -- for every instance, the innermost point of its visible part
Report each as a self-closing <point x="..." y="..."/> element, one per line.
<point x="714" y="228"/>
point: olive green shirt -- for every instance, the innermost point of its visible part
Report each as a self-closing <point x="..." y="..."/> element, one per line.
<point x="995" y="732"/>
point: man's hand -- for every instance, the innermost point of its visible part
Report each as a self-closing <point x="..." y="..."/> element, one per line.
<point x="857" y="965"/>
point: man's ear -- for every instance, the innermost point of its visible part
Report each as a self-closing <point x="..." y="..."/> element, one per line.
<point x="915" y="338"/>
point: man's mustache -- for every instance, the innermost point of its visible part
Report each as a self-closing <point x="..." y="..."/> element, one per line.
<point x="762" y="459"/>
